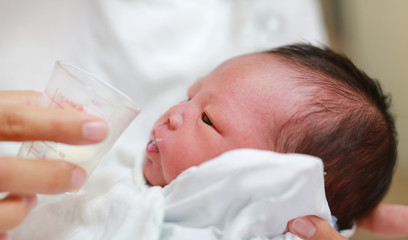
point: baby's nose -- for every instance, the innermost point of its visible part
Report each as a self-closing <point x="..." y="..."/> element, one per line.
<point x="175" y="120"/>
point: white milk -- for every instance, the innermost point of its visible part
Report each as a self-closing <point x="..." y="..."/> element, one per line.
<point x="86" y="156"/>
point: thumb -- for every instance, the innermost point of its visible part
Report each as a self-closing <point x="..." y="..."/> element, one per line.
<point x="313" y="228"/>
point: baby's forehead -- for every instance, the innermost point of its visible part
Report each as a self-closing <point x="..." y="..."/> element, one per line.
<point x="254" y="77"/>
<point x="255" y="66"/>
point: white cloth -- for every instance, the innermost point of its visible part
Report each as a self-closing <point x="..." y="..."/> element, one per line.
<point x="242" y="194"/>
<point x="152" y="50"/>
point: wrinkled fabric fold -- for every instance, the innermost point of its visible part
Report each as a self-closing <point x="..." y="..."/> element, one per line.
<point x="246" y="193"/>
<point x="242" y="194"/>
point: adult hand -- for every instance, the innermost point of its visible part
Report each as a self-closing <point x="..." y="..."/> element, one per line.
<point x="21" y="119"/>
<point x="386" y="220"/>
<point x="313" y="228"/>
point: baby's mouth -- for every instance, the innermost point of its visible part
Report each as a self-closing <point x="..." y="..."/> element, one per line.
<point x="152" y="144"/>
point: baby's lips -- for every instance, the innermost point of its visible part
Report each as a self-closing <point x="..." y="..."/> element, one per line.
<point x="152" y="146"/>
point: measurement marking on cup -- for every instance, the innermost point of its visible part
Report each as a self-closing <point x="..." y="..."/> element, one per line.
<point x="49" y="146"/>
<point x="96" y="103"/>
<point x="42" y="149"/>
<point x="52" y="98"/>
<point x="32" y="148"/>
<point x="60" y="154"/>
<point x="60" y="101"/>
<point x="96" y="110"/>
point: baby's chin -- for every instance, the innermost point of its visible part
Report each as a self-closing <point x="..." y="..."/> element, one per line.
<point x="151" y="177"/>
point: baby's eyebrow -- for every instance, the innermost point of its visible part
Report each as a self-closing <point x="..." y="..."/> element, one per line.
<point x="190" y="91"/>
<point x="194" y="88"/>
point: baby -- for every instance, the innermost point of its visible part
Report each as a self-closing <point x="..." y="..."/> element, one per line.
<point x="293" y="99"/>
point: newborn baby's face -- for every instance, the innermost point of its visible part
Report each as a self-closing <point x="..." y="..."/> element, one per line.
<point x="235" y="106"/>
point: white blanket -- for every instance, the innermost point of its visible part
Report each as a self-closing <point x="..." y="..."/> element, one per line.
<point x="242" y="194"/>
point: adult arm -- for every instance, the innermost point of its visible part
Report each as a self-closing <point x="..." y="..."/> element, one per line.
<point x="386" y="220"/>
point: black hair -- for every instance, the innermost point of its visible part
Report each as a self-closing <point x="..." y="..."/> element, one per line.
<point x="346" y="121"/>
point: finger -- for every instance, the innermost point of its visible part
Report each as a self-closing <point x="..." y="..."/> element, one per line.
<point x="29" y="176"/>
<point x="20" y="123"/>
<point x="20" y="97"/>
<point x="4" y="236"/>
<point x="313" y="228"/>
<point x="387" y="220"/>
<point x="13" y="209"/>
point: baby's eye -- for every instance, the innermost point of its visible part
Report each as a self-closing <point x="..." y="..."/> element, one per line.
<point x="206" y="119"/>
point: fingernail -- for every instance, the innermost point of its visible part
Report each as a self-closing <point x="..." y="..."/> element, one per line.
<point x="304" y="227"/>
<point x="78" y="178"/>
<point x="95" y="131"/>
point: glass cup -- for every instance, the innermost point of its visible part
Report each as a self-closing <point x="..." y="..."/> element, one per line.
<point x="72" y="88"/>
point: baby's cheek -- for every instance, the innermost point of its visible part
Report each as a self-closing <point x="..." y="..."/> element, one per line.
<point x="173" y="170"/>
<point x="178" y="164"/>
<point x="153" y="173"/>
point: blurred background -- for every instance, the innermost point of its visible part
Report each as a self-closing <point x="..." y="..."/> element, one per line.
<point x="374" y="34"/>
